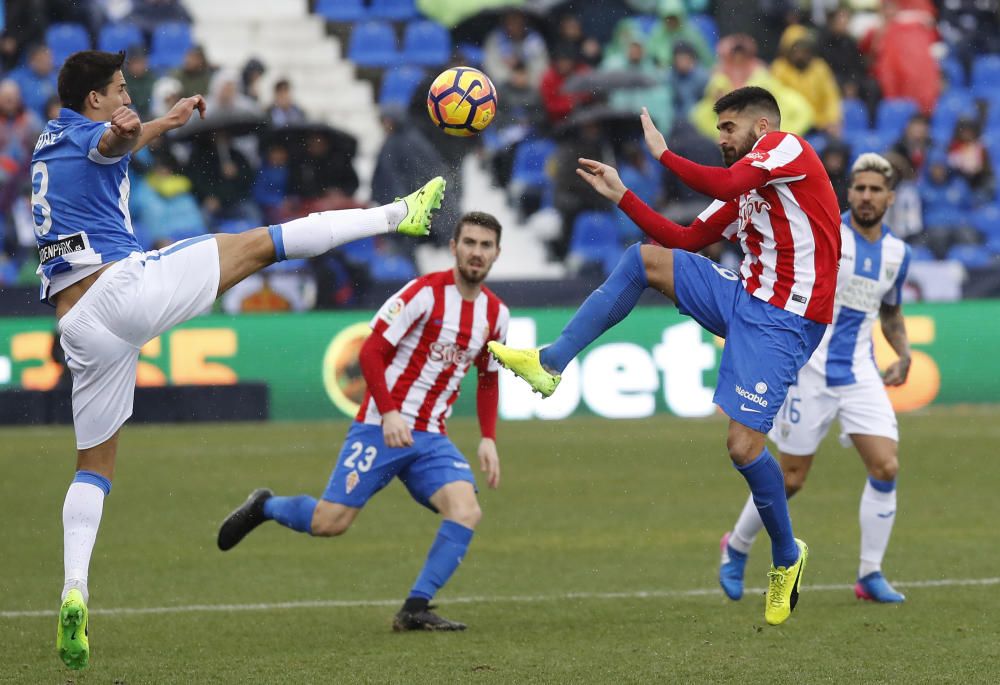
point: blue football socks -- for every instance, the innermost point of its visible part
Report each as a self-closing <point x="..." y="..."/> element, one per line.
<point x="605" y="307"/>
<point x="767" y="485"/>
<point x="292" y="512"/>
<point x="446" y="554"/>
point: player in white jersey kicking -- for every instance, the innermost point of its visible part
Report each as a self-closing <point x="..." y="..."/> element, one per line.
<point x="841" y="380"/>
<point x="111" y="297"/>
<point x="424" y="339"/>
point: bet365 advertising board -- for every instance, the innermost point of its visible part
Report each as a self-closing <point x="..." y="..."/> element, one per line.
<point x="656" y="361"/>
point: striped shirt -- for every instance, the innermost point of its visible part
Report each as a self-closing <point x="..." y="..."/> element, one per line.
<point x="438" y="335"/>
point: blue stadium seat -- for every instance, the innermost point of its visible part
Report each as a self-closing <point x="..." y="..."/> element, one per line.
<point x="893" y="114"/>
<point x="171" y="40"/>
<point x="945" y="217"/>
<point x="921" y="253"/>
<point x="954" y="73"/>
<point x="856" y="117"/>
<point x="709" y="29"/>
<point x="393" y="267"/>
<point x="373" y="44"/>
<point x="595" y="239"/>
<point x="470" y="54"/>
<point x="953" y="105"/>
<point x="529" y="162"/>
<point x="427" y="43"/>
<point x="869" y="141"/>
<point x="986" y="220"/>
<point x="359" y="251"/>
<point x="985" y="75"/>
<point x="115" y="37"/>
<point x="994" y="247"/>
<point x="819" y="141"/>
<point x="65" y="39"/>
<point x="971" y="256"/>
<point x="394" y="10"/>
<point x="342" y="10"/>
<point x="398" y="85"/>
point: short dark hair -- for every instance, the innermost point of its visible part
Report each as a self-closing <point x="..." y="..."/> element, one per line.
<point x="478" y="219"/>
<point x="749" y="97"/>
<point x="85" y="71"/>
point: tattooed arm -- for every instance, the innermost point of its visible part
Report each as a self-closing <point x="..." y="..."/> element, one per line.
<point x="894" y="329"/>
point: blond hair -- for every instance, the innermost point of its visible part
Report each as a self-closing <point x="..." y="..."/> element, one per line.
<point x="876" y="163"/>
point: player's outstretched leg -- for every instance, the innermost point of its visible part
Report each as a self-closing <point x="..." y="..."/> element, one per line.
<point x="783" y="585"/>
<point x="603" y="309"/>
<point x="71" y="633"/>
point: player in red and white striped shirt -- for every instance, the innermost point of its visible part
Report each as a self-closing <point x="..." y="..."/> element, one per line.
<point x="776" y="200"/>
<point x="424" y="339"/>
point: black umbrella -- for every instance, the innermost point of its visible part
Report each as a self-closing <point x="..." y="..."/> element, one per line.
<point x="475" y="28"/>
<point x="600" y="82"/>
<point x="233" y="123"/>
<point x="295" y="135"/>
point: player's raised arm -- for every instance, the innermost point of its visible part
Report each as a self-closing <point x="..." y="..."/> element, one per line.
<point x="122" y="134"/>
<point x="178" y="115"/>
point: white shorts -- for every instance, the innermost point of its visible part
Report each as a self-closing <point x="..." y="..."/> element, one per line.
<point x="135" y="300"/>
<point x="810" y="407"/>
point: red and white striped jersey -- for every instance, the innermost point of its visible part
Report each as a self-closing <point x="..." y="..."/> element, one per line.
<point x="437" y="336"/>
<point x="789" y="228"/>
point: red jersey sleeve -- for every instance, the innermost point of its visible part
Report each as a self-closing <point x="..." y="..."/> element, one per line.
<point x="401" y="311"/>
<point x="780" y="156"/>
<point x="717" y="221"/>
<point x="374" y="358"/>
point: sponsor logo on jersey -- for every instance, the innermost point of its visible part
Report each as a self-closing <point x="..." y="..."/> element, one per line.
<point x="751" y="397"/>
<point x="801" y="299"/>
<point x="62" y="247"/>
<point x="460" y="465"/>
<point x="392" y="310"/>
<point x="352" y="481"/>
<point x="449" y="353"/>
<point x="753" y="205"/>
<point x="758" y="156"/>
<point x="47" y="138"/>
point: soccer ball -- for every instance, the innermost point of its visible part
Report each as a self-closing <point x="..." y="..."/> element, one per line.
<point x="462" y="101"/>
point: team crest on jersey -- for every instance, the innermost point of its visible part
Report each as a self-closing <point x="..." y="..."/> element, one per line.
<point x="890" y="273"/>
<point x="785" y="430"/>
<point x="352" y="481"/>
<point x="761" y="388"/>
<point x="392" y="310"/>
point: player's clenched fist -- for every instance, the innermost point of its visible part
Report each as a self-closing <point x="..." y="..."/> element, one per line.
<point x="395" y="431"/>
<point x="125" y="123"/>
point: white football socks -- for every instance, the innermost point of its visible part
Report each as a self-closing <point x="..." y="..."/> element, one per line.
<point x="320" y="232"/>
<point x="81" y="519"/>
<point x="748" y="525"/>
<point x="876" y="514"/>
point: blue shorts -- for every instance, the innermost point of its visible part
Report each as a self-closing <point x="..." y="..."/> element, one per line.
<point x="765" y="346"/>
<point x="366" y="465"/>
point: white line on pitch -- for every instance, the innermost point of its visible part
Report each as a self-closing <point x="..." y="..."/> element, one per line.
<point x="528" y="599"/>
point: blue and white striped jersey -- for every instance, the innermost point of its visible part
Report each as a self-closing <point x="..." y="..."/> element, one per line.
<point x="870" y="274"/>
<point x="79" y="202"/>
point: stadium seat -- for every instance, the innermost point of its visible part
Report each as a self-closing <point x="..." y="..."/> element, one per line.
<point x="953" y="105"/>
<point x="426" y="43"/>
<point x="709" y="29"/>
<point x="993" y="246"/>
<point x="65" y="39"/>
<point x="171" y="40"/>
<point x="470" y="54"/>
<point x="819" y="141"/>
<point x="893" y="114"/>
<point x="869" y="141"/>
<point x="954" y="73"/>
<point x="946" y="217"/>
<point x="359" y="251"/>
<point x="342" y="10"/>
<point x="855" y="116"/>
<point x="986" y="220"/>
<point x="529" y="162"/>
<point x="115" y="37"/>
<point x="392" y="267"/>
<point x="394" y="10"/>
<point x="971" y="256"/>
<point x="373" y="44"/>
<point x="921" y="253"/>
<point x="595" y="239"/>
<point x="985" y="75"/>
<point x="398" y="85"/>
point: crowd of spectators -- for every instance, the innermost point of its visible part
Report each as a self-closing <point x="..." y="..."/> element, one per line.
<point x="900" y="79"/>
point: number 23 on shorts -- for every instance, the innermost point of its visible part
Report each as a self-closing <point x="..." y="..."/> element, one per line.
<point x="368" y="454"/>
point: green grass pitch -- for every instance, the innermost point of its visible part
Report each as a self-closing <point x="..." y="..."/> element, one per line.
<point x="595" y="562"/>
